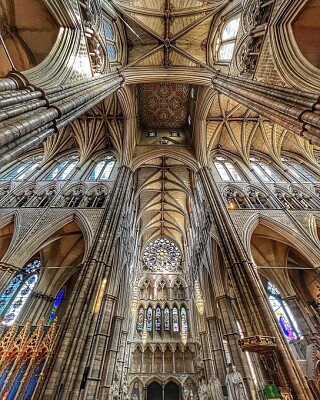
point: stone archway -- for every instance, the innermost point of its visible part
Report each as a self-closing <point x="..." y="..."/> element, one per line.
<point x="171" y="391"/>
<point x="154" y="391"/>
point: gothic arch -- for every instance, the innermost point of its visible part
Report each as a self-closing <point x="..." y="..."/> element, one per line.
<point x="167" y="152"/>
<point x="293" y="66"/>
<point x="286" y="235"/>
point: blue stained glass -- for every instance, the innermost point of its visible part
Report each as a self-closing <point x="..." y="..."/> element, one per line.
<point x="19" y="300"/>
<point x="158" y="319"/>
<point x="184" y="321"/>
<point x="56" y="304"/>
<point x="175" y="319"/>
<point x="108" y="30"/>
<point x="112" y="52"/>
<point x="166" y="319"/>
<point x="149" y="319"/>
<point x="10" y="291"/>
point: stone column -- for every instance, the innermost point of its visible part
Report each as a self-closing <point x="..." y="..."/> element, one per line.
<point x="43" y="111"/>
<point x="294" y="110"/>
<point x="82" y="324"/>
<point x="36" y="308"/>
<point x="207" y="357"/>
<point x="217" y="348"/>
<point x="256" y="313"/>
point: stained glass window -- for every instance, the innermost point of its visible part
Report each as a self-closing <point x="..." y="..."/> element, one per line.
<point x="102" y="170"/>
<point x="284" y="316"/>
<point x="10" y="291"/>
<point x="140" y="319"/>
<point x="162" y="254"/>
<point x="17" y="292"/>
<point x="158" y="319"/>
<point x="166" y="316"/>
<point x="149" y="319"/>
<point x="184" y="320"/>
<point x="19" y="300"/>
<point x="175" y="319"/>
<point x="110" y="37"/>
<point x="56" y="305"/>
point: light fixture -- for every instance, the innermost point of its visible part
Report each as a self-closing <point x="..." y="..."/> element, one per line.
<point x="144" y="334"/>
<point x="198" y="298"/>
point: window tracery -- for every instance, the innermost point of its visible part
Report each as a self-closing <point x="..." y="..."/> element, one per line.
<point x="96" y="197"/>
<point x="283" y="313"/>
<point x="110" y="37"/>
<point x="63" y="169"/>
<point x="227" y="38"/>
<point x="162" y="255"/>
<point x="235" y="198"/>
<point x="103" y="169"/>
<point x="227" y="170"/>
<point x="298" y="171"/>
<point x="22" y="170"/>
<point x="258" y="199"/>
<point x="265" y="172"/>
<point x="18" y="291"/>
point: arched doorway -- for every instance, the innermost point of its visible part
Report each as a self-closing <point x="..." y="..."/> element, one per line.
<point x="154" y="391"/>
<point x="171" y="391"/>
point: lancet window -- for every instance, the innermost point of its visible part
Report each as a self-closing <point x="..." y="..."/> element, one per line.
<point x="110" y="37"/>
<point x="56" y="305"/>
<point x="166" y="317"/>
<point x="184" y="320"/>
<point x="22" y="170"/>
<point x="162" y="319"/>
<point x="175" y="319"/>
<point x="227" y="39"/>
<point x="63" y="169"/>
<point x="298" y="171"/>
<point x="283" y="313"/>
<point x="149" y="319"/>
<point x="140" y="319"/>
<point x="264" y="170"/>
<point x="103" y="169"/>
<point x="227" y="170"/>
<point x="158" y="319"/>
<point x="18" y="291"/>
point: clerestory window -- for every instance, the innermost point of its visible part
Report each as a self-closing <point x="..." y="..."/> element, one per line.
<point x="102" y="170"/>
<point x="227" y="170"/>
<point x="22" y="170"/>
<point x="110" y="37"/>
<point x="63" y="169"/>
<point x="227" y="39"/>
<point x="298" y="171"/>
<point x="264" y="170"/>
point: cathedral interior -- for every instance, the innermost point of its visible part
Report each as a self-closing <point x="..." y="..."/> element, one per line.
<point x="159" y="199"/>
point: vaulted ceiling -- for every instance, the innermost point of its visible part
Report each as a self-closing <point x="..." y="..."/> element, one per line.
<point x="167" y="33"/>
